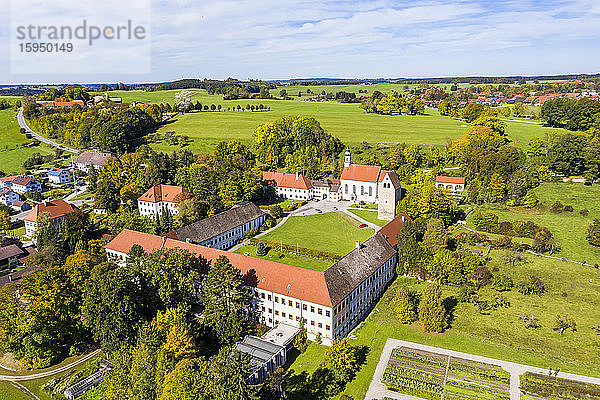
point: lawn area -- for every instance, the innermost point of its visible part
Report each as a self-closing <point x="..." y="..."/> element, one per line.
<point x="333" y="232"/>
<point x="501" y="335"/>
<point x="568" y="228"/>
<point x="206" y="129"/>
<point x="287" y="258"/>
<point x="370" y="215"/>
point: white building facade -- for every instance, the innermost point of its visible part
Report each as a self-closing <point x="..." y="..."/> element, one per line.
<point x="59" y="176"/>
<point x="161" y="198"/>
<point x="8" y="197"/>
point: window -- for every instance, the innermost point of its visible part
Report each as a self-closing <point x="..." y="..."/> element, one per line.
<point x="269" y="297"/>
<point x="262" y="295"/>
<point x="312" y="309"/>
<point x="290" y="303"/>
<point x="297" y="305"/>
<point x="276" y="299"/>
<point x="327" y="313"/>
<point x="291" y="316"/>
<point x="283" y="314"/>
<point x="312" y="323"/>
<point x="370" y="190"/>
<point x="327" y="327"/>
<point x="276" y="312"/>
<point x="320" y="325"/>
<point x="320" y="311"/>
<point x="354" y="189"/>
<point x="270" y="310"/>
<point x="304" y="307"/>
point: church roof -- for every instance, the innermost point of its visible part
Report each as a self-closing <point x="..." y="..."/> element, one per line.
<point x="362" y="173"/>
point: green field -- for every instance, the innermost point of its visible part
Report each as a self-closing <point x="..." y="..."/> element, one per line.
<point x="12" y="155"/>
<point x="332" y="232"/>
<point x="568" y="228"/>
<point x="369" y="215"/>
<point x="287" y="258"/>
<point x="346" y="121"/>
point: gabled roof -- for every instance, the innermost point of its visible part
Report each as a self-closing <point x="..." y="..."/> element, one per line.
<point x="287" y="280"/>
<point x="349" y="272"/>
<point x="23" y="180"/>
<point x="394" y="178"/>
<point x="362" y="173"/>
<point x="217" y="224"/>
<point x="17" y="275"/>
<point x="56" y="171"/>
<point x="56" y="208"/>
<point x="391" y="230"/>
<point x="9" y="251"/>
<point x="293" y="181"/>
<point x="160" y="193"/>
<point x="6" y="179"/>
<point x="93" y="158"/>
<point x="450" y="179"/>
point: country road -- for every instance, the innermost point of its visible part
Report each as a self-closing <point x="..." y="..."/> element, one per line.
<point x="51" y="372"/>
<point x="23" y="124"/>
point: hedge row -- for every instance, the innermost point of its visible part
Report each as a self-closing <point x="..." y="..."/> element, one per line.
<point x="322" y="255"/>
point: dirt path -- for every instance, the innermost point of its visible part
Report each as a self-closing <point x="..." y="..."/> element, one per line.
<point x="24" y="390"/>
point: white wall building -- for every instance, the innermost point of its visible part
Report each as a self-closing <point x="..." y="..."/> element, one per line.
<point x="223" y="230"/>
<point x="59" y="176"/>
<point x="289" y="186"/>
<point x="454" y="184"/>
<point x="56" y="210"/>
<point x="331" y="303"/>
<point x="21" y="184"/>
<point x="159" y="198"/>
<point x="8" y="197"/>
<point x="89" y="159"/>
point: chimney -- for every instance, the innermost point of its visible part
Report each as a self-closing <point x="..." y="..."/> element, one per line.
<point x="358" y="245"/>
<point x="403" y="218"/>
<point x="296" y="175"/>
<point x="45" y="202"/>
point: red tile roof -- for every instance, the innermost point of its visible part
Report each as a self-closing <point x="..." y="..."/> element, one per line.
<point x="288" y="280"/>
<point x="293" y="181"/>
<point x="363" y="173"/>
<point x="160" y="193"/>
<point x="56" y="208"/>
<point x="5" y="179"/>
<point x="391" y="230"/>
<point x="450" y="179"/>
<point x="22" y="180"/>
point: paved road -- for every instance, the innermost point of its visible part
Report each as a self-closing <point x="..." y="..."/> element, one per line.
<point x="377" y="390"/>
<point x="51" y="372"/>
<point x="524" y="122"/>
<point x="23" y="124"/>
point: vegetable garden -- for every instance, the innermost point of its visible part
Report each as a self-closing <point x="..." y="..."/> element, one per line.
<point x="430" y="375"/>
<point x="537" y="386"/>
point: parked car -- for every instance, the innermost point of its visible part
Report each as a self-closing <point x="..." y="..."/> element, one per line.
<point x="318" y="211"/>
<point x="362" y="225"/>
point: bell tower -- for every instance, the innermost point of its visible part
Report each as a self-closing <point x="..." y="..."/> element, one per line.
<point x="347" y="158"/>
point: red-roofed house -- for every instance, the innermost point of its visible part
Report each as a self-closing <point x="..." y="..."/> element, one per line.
<point x="290" y="186"/>
<point x="57" y="209"/>
<point x="160" y="198"/>
<point x="455" y="184"/>
<point x="371" y="184"/>
<point x="21" y="184"/>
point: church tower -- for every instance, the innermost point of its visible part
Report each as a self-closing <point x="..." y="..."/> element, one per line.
<point x="389" y="193"/>
<point x="347" y="158"/>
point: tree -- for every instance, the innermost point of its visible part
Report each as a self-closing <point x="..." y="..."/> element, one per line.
<point x="404" y="306"/>
<point x="261" y="249"/>
<point x="544" y="241"/>
<point x="389" y="104"/>
<point x="530" y="200"/>
<point x="593" y="233"/>
<point x="471" y="112"/>
<point x="301" y="341"/>
<point x="46" y="234"/>
<point x="4" y="221"/>
<point x="107" y="195"/>
<point x="564" y="321"/>
<point x="532" y="285"/>
<point x="92" y="179"/>
<point x="225" y="300"/>
<point x="276" y="211"/>
<point x="502" y="282"/>
<point x="183" y="100"/>
<point x="341" y="358"/>
<point x="432" y="312"/>
<point x="497" y="188"/>
<point x="435" y="237"/>
<point x="189" y="380"/>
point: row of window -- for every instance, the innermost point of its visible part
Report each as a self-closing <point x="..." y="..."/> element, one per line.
<point x="290" y="303"/>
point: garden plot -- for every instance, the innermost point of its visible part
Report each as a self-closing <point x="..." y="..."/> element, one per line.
<point x="430" y="375"/>
<point x="537" y="387"/>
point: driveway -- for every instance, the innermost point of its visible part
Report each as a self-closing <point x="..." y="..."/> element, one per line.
<point x="325" y="206"/>
<point x="23" y="124"/>
<point x="378" y="390"/>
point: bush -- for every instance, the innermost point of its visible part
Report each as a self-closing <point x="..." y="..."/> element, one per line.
<point x="503" y="242"/>
<point x="568" y="209"/>
<point x="532" y="285"/>
<point x="261" y="249"/>
<point x="502" y="282"/>
<point x="404" y="306"/>
<point x="593" y="233"/>
<point x="584" y="212"/>
<point x="557" y="208"/>
<point x="322" y="255"/>
<point x="276" y="211"/>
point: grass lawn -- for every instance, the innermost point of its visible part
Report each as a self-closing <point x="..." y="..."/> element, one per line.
<point x="333" y="232"/>
<point x="9" y="392"/>
<point x="287" y="258"/>
<point x="568" y="228"/>
<point x="370" y="215"/>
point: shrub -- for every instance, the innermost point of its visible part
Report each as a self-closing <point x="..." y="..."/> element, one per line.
<point x="503" y="242"/>
<point x="404" y="306"/>
<point x="593" y="233"/>
<point x="557" y="208"/>
<point x="544" y="241"/>
<point x="431" y="309"/>
<point x="584" y="212"/>
<point x="276" y="211"/>
<point x="530" y="321"/>
<point x="502" y="282"/>
<point x="568" y="209"/>
<point x="261" y="249"/>
<point x="481" y="276"/>
<point x="563" y="321"/>
<point x="532" y="285"/>
<point x="466" y="294"/>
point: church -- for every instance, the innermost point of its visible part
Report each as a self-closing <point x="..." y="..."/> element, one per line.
<point x="371" y="184"/>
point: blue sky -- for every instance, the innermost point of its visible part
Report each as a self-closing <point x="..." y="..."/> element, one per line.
<point x="279" y="39"/>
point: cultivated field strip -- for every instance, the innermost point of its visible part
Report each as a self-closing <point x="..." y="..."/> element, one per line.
<point x="433" y="376"/>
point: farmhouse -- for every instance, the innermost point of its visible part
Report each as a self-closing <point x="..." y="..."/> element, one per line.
<point x="371" y="184"/>
<point x="8" y="197"/>
<point x="161" y="198"/>
<point x="223" y="230"/>
<point x="59" y="176"/>
<point x="454" y="184"/>
<point x="331" y="303"/>
<point x="56" y="210"/>
<point x="88" y="159"/>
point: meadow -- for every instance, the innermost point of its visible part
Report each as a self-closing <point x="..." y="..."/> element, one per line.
<point x="346" y="121"/>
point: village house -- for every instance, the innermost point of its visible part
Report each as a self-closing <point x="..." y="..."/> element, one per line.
<point x="331" y="303"/>
<point x="21" y="184"/>
<point x="88" y="159"/>
<point x="326" y="189"/>
<point x="59" y="176"/>
<point x="454" y="184"/>
<point x="223" y="230"/>
<point x="161" y="198"/>
<point x="9" y="256"/>
<point x="371" y="184"/>
<point x="56" y="210"/>
<point x="8" y="197"/>
<point x="21" y="206"/>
